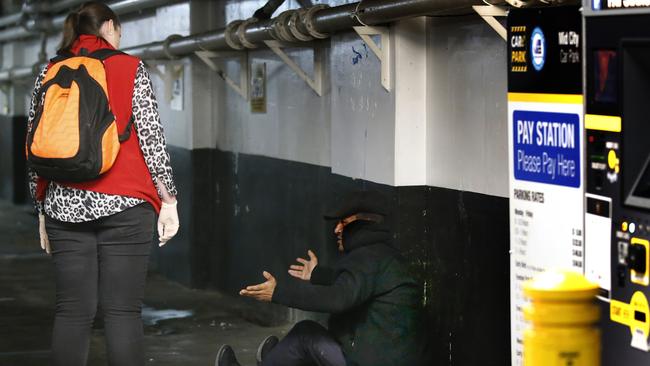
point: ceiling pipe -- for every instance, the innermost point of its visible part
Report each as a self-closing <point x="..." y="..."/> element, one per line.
<point x="30" y="8"/>
<point x="33" y="27"/>
<point x="317" y="22"/>
<point x="62" y="5"/>
<point x="12" y="19"/>
<point x="529" y="3"/>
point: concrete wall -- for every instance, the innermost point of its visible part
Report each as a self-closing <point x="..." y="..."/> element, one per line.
<point x="253" y="186"/>
<point x="467" y="146"/>
<point x="438" y="127"/>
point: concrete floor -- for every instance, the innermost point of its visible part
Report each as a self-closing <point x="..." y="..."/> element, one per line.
<point x="27" y="306"/>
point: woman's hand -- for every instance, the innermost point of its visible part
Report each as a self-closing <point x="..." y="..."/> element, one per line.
<point x="305" y="268"/>
<point x="263" y="291"/>
<point x="167" y="222"/>
<point x="45" y="241"/>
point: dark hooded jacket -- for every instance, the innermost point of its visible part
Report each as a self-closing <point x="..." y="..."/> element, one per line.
<point x="372" y="299"/>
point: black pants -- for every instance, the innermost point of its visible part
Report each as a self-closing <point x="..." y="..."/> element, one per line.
<point x="307" y="344"/>
<point x="102" y="261"/>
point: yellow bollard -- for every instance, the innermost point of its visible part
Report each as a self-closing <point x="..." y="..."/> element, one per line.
<point x="563" y="317"/>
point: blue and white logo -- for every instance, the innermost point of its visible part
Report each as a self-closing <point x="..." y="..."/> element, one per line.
<point x="538" y="49"/>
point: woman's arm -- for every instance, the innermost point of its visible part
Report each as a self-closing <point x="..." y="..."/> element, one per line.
<point x="154" y="149"/>
<point x="33" y="178"/>
<point x="151" y="135"/>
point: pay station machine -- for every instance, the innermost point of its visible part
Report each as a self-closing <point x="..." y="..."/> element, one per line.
<point x="617" y="172"/>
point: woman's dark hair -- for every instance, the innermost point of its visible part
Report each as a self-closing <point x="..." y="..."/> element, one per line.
<point x="87" y="20"/>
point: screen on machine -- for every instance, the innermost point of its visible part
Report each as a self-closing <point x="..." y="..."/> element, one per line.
<point x="635" y="61"/>
<point x="605" y="76"/>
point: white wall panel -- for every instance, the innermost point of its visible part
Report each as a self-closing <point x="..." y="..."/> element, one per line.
<point x="467" y="132"/>
<point x="443" y="125"/>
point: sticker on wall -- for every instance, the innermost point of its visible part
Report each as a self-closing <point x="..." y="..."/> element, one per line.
<point x="258" y="87"/>
<point x="177" y="92"/>
<point x="545" y="124"/>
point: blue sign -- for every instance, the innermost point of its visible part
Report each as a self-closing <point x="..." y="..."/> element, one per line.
<point x="538" y="49"/>
<point x="547" y="147"/>
<point x="596" y="4"/>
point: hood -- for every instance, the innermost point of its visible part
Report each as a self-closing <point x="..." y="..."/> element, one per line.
<point x="358" y="202"/>
<point x="362" y="233"/>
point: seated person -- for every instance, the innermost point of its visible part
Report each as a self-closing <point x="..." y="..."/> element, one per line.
<point x="372" y="299"/>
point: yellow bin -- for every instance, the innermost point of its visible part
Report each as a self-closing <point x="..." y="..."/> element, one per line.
<point x="563" y="317"/>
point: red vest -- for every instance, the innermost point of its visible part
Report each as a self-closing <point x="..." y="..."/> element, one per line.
<point x="129" y="175"/>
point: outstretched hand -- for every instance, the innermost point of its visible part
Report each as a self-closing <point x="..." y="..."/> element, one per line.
<point x="263" y="291"/>
<point x="45" y="241"/>
<point x="305" y="268"/>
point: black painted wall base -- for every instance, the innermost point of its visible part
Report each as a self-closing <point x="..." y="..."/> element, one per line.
<point x="242" y="214"/>
<point x="13" y="183"/>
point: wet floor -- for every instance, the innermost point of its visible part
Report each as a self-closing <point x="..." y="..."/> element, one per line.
<point x="182" y="326"/>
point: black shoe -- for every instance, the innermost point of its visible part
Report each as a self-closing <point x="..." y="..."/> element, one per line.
<point x="265" y="347"/>
<point x="226" y="357"/>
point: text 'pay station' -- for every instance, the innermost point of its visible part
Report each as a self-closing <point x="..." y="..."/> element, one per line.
<point x="547" y="147"/>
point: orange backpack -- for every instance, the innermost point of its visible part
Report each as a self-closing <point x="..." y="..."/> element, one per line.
<point x="74" y="135"/>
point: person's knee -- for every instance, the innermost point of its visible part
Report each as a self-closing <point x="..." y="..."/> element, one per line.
<point x="307" y="327"/>
<point x="79" y="309"/>
<point x="121" y="301"/>
<point x="121" y="309"/>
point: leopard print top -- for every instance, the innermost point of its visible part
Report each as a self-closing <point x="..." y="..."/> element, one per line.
<point x="75" y="205"/>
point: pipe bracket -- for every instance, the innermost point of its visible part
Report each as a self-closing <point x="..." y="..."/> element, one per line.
<point x="244" y="73"/>
<point x="309" y="21"/>
<point x="230" y="34"/>
<point x="166" y="44"/>
<point x="357" y="12"/>
<point x="172" y="71"/>
<point x="489" y="14"/>
<point x="384" y="54"/>
<point x="241" y="33"/>
<point x="293" y="25"/>
<point x="281" y="27"/>
<point x="315" y="82"/>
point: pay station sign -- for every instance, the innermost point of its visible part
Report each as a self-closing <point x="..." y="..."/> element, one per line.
<point x="546" y="147"/>
<point x="545" y="124"/>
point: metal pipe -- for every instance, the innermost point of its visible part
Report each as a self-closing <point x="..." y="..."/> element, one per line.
<point x="62" y="5"/>
<point x="10" y="19"/>
<point x="16" y="18"/>
<point x="16" y="73"/>
<point x="325" y="21"/>
<point x="56" y="23"/>
<point x="530" y="3"/>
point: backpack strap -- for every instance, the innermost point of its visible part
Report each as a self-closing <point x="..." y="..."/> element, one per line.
<point x="104" y="53"/>
<point x="101" y="55"/>
<point x="127" y="131"/>
<point x="61" y="56"/>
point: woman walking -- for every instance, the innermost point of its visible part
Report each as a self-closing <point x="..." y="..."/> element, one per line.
<point x="99" y="231"/>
